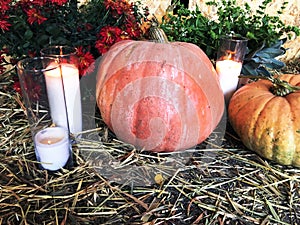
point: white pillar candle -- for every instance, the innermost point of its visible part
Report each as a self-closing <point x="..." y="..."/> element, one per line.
<point x="71" y="88"/>
<point x="52" y="147"/>
<point x="228" y="72"/>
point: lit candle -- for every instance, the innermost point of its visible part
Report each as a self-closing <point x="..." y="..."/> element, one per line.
<point x="71" y="88"/>
<point x="228" y="72"/>
<point x="52" y="147"/>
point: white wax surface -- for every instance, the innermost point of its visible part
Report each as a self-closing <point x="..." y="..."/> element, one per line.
<point x="228" y="72"/>
<point x="72" y="94"/>
<point x="52" y="147"/>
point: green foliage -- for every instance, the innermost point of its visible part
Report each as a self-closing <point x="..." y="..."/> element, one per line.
<point x="261" y="29"/>
<point x="258" y="61"/>
<point x="193" y="27"/>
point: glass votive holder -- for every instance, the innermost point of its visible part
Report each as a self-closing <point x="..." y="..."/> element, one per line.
<point x="67" y="57"/>
<point x="230" y="56"/>
<point x="52" y="144"/>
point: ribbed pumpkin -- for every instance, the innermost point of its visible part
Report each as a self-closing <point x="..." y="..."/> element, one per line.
<point x="266" y="116"/>
<point x="159" y="96"/>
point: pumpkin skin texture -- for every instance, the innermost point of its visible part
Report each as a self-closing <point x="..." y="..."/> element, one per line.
<point x="159" y="96"/>
<point x="266" y="123"/>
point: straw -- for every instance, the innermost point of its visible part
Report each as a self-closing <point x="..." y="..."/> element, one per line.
<point x="211" y="184"/>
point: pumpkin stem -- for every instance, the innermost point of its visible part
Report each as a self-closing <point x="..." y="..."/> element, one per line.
<point x="279" y="88"/>
<point x="158" y="35"/>
<point x="155" y="33"/>
<point x="282" y="87"/>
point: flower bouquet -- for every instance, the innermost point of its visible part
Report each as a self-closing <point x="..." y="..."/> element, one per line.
<point x="92" y="27"/>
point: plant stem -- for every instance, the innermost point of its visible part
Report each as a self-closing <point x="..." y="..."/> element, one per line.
<point x="279" y="88"/>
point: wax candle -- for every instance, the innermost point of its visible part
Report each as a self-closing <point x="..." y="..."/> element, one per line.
<point x="228" y="72"/>
<point x="65" y="109"/>
<point x="52" y="147"/>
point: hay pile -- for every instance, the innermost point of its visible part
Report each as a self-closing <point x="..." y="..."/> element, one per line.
<point x="220" y="182"/>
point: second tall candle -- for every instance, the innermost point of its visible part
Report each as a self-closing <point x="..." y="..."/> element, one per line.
<point x="63" y="93"/>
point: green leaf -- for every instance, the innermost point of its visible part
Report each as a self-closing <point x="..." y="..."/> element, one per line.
<point x="28" y="34"/>
<point x="26" y="44"/>
<point x="43" y="40"/>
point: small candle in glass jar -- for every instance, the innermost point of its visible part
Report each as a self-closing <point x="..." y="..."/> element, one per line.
<point x="52" y="147"/>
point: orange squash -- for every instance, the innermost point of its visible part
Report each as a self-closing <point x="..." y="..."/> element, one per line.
<point x="159" y="96"/>
<point x="266" y="116"/>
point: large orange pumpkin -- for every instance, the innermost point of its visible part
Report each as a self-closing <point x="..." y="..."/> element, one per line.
<point x="267" y="118"/>
<point x="159" y="96"/>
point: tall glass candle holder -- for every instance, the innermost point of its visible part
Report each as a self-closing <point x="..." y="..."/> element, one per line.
<point x="230" y="56"/>
<point x="52" y="144"/>
<point x="70" y="89"/>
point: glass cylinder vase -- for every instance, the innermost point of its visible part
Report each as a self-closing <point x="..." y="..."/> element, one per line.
<point x="52" y="143"/>
<point x="230" y="56"/>
<point x="67" y="57"/>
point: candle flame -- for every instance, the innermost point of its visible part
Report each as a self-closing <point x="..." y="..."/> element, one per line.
<point x="229" y="55"/>
<point x="50" y="140"/>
